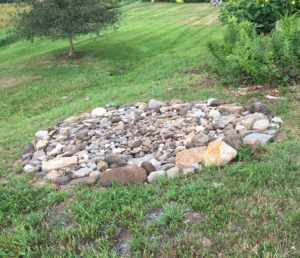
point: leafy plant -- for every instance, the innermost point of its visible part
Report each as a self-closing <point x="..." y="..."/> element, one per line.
<point x="249" y="57"/>
<point x="263" y="13"/>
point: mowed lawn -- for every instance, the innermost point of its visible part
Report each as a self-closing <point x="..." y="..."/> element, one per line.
<point x="248" y="209"/>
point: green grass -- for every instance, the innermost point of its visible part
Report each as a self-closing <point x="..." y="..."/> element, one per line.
<point x="249" y="209"/>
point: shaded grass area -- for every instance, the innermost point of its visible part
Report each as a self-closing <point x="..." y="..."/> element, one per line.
<point x="247" y="209"/>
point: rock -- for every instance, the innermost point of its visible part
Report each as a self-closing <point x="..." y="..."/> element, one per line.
<point x="255" y="139"/>
<point x="53" y="175"/>
<point x="261" y="125"/>
<point x="191" y="157"/>
<point x="175" y="101"/>
<point x="232" y="138"/>
<point x="129" y="175"/>
<point x="91" y="180"/>
<point x="58" y="163"/>
<point x="117" y="160"/>
<point x="41" y="144"/>
<point x="191" y="170"/>
<point x="218" y="153"/>
<point x="223" y="121"/>
<point x="241" y="130"/>
<point x="39" y="155"/>
<point x="98" y="112"/>
<point x="56" y="151"/>
<point x="148" y="167"/>
<point x="42" y="134"/>
<point x="28" y="149"/>
<point x="30" y="169"/>
<point x="71" y="120"/>
<point x="155" y="104"/>
<point x="95" y="173"/>
<point x="102" y="166"/>
<point x="173" y="172"/>
<point x="277" y="120"/>
<point x="154" y="176"/>
<point x="215" y="114"/>
<point x="62" y="180"/>
<point x="200" y="139"/>
<point x="258" y="107"/>
<point x="82" y="172"/>
<point x="215" y="102"/>
<point x="232" y="108"/>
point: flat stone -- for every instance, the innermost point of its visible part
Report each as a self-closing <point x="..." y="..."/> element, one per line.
<point x="58" y="163"/>
<point x="154" y="176"/>
<point x="56" y="151"/>
<point x="91" y="180"/>
<point x="156" y="104"/>
<point x="190" y="157"/>
<point x="129" y="175"/>
<point x="218" y="153"/>
<point x="98" y="112"/>
<point x="258" y="139"/>
<point x="232" y="108"/>
<point x="261" y="125"/>
<point x="82" y="172"/>
<point x="148" y="167"/>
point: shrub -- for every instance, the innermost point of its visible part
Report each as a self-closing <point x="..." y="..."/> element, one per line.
<point x="246" y="56"/>
<point x="263" y="13"/>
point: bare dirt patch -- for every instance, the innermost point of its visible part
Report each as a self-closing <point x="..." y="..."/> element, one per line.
<point x="15" y="81"/>
<point x="207" y="20"/>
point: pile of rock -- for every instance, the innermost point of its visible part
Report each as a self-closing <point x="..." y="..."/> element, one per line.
<point x="140" y="143"/>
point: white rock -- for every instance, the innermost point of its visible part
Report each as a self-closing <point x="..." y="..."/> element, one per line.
<point x="241" y="129"/>
<point x="215" y="114"/>
<point x="156" y="104"/>
<point x="100" y="111"/>
<point x="30" y="169"/>
<point x="261" y="125"/>
<point x="154" y="176"/>
<point x="191" y="170"/>
<point x="42" y="134"/>
<point x="277" y="120"/>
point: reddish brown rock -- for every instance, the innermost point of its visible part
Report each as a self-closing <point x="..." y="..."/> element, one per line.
<point x="148" y="167"/>
<point x="129" y="175"/>
<point x="191" y="157"/>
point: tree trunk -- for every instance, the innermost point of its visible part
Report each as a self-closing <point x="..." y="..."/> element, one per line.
<point x="71" y="46"/>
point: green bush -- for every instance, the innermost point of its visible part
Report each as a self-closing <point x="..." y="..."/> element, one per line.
<point x="246" y="56"/>
<point x="263" y="13"/>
